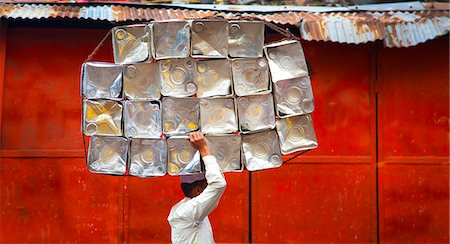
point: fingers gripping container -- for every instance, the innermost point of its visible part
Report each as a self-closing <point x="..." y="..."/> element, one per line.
<point x="183" y="158"/>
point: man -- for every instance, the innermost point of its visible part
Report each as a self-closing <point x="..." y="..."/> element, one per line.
<point x="189" y="218"/>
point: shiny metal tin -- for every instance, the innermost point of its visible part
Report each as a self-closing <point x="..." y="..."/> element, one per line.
<point x="227" y="150"/>
<point x="218" y="115"/>
<point x="177" y="77"/>
<point x="293" y="97"/>
<point x="142" y="119"/>
<point x="261" y="150"/>
<point x="102" y="117"/>
<point x="101" y="80"/>
<point x="296" y="134"/>
<point x="286" y="60"/>
<point x="246" y="39"/>
<point x="171" y="39"/>
<point x="148" y="157"/>
<point x="131" y="44"/>
<point x="250" y="76"/>
<point x="142" y="81"/>
<point x="213" y="78"/>
<point x="209" y="39"/>
<point x="107" y="155"/>
<point x="183" y="158"/>
<point x="180" y="115"/>
<point x="256" y="113"/>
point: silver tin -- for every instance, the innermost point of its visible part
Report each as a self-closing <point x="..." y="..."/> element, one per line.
<point x="209" y="39"/>
<point x="218" y="115"/>
<point x="213" y="78"/>
<point x="177" y="77"/>
<point x="107" y="155"/>
<point x="102" y="117"/>
<point x="296" y="134"/>
<point x="286" y="60"/>
<point x="250" y="76"/>
<point x="131" y="44"/>
<point x="142" y="119"/>
<point x="180" y="115"/>
<point x="227" y="150"/>
<point x="142" y="81"/>
<point x="246" y="39"/>
<point x="171" y="39"/>
<point x="256" y="113"/>
<point x="101" y="80"/>
<point x="148" y="157"/>
<point x="261" y="150"/>
<point x="293" y="97"/>
<point x="183" y="158"/>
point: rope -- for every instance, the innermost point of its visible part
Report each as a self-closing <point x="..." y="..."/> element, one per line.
<point x="298" y="154"/>
<point x="98" y="47"/>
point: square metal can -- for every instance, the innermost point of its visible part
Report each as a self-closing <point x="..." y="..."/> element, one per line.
<point x="131" y="44"/>
<point x="171" y="39"/>
<point x="142" y="81"/>
<point x="180" y="115"/>
<point x="218" y="115"/>
<point x="142" y="119"/>
<point x="293" y="97"/>
<point x="227" y="151"/>
<point x="296" y="134"/>
<point x="250" y="76"/>
<point x="183" y="158"/>
<point x="102" y="117"/>
<point x="261" y="150"/>
<point x="101" y="80"/>
<point x="177" y="77"/>
<point x="148" y="157"/>
<point x="213" y="78"/>
<point x="107" y="155"/>
<point x="256" y="113"/>
<point x="209" y="39"/>
<point x="246" y="39"/>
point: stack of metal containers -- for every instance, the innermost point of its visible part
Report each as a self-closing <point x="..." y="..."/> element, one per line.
<point x="170" y="78"/>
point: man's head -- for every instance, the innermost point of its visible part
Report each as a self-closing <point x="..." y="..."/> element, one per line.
<point x="193" y="185"/>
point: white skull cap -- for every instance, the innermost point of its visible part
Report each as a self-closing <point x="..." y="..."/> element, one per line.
<point x="192" y="178"/>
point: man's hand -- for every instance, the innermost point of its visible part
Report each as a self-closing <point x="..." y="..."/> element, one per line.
<point x="198" y="141"/>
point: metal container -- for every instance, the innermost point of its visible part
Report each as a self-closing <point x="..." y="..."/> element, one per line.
<point x="256" y="113"/>
<point x="293" y="97"/>
<point x="246" y="39"/>
<point x="101" y="80"/>
<point x="250" y="76"/>
<point x="102" y="117"/>
<point x="183" y="158"/>
<point x="107" y="155"/>
<point x="177" y="77"/>
<point x="296" y="134"/>
<point x="142" y="81"/>
<point x="209" y="39"/>
<point x="131" y="44"/>
<point x="218" y="115"/>
<point x="286" y="60"/>
<point x="142" y="119"/>
<point x="227" y="150"/>
<point x="261" y="150"/>
<point x="148" y="157"/>
<point x="171" y="39"/>
<point x="213" y="78"/>
<point x="180" y="115"/>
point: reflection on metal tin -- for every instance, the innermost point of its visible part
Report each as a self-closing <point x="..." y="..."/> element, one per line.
<point x="286" y="60"/>
<point x="177" y="77"/>
<point x="218" y="115"/>
<point x="183" y="158"/>
<point x="102" y="117"/>
<point x="101" y="80"/>
<point x="213" y="78"/>
<point x="209" y="39"/>
<point x="171" y="39"/>
<point x="250" y="76"/>
<point x="227" y="150"/>
<point x="261" y="150"/>
<point x="107" y="155"/>
<point x="293" y="97"/>
<point x="256" y="113"/>
<point x="246" y="39"/>
<point x="131" y="44"/>
<point x="142" y="81"/>
<point x="148" y="157"/>
<point x="142" y="119"/>
<point x="296" y="134"/>
<point x="180" y="115"/>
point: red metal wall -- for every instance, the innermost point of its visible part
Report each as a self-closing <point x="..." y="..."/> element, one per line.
<point x="327" y="195"/>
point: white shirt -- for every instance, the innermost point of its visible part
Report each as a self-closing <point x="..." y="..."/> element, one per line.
<point x="189" y="218"/>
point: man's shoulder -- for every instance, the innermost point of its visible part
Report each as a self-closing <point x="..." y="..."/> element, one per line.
<point x="181" y="210"/>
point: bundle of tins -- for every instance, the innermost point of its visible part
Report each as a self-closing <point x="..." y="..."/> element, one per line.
<point x="252" y="101"/>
